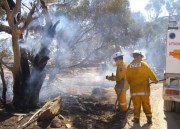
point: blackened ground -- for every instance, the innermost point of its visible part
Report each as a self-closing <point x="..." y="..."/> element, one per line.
<point x="88" y="112"/>
<point x="81" y="112"/>
<point x="96" y="111"/>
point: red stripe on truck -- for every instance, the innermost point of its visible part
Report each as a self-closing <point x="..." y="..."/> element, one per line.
<point x="172" y="92"/>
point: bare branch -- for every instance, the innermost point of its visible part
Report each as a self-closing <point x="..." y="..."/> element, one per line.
<point x="87" y="57"/>
<point x="5" y="29"/>
<point x="26" y="6"/>
<point x="28" y="19"/>
<point x="46" y="13"/>
<point x="5" y="64"/>
<point x="6" y="6"/>
<point x="17" y="7"/>
<point x="20" y="21"/>
<point x="81" y="37"/>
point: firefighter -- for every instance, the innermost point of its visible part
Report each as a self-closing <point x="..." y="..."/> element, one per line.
<point x="138" y="75"/>
<point x="121" y="84"/>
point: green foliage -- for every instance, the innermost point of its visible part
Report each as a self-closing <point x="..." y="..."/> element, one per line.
<point x="173" y="7"/>
<point x="109" y="23"/>
<point x="155" y="8"/>
<point x="138" y="17"/>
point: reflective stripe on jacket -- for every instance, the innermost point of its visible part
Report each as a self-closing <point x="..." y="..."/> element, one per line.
<point x="140" y="93"/>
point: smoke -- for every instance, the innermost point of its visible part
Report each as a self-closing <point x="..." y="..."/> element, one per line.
<point x="74" y="44"/>
<point x="79" y="82"/>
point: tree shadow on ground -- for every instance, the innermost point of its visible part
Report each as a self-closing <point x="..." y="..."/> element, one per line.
<point x="44" y="124"/>
<point x="4" y="115"/>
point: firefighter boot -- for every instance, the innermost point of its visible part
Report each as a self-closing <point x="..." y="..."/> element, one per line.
<point x="149" y="120"/>
<point x="136" y="120"/>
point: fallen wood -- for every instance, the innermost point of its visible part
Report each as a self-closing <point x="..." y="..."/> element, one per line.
<point x="16" y="114"/>
<point x="48" y="111"/>
<point x="20" y="118"/>
<point x="56" y="123"/>
<point x="19" y="114"/>
<point x="30" y="120"/>
<point x="61" y="117"/>
<point x="68" y="126"/>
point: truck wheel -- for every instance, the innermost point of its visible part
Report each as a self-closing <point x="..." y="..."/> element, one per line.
<point x="168" y="106"/>
<point x="178" y="107"/>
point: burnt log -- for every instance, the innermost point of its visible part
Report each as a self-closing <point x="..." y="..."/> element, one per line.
<point x="50" y="109"/>
<point x="47" y="112"/>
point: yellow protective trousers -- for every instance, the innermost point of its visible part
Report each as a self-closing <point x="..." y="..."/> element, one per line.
<point x="145" y="102"/>
<point x="122" y="105"/>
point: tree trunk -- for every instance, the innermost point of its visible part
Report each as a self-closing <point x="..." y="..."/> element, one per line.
<point x="27" y="84"/>
<point x="4" y="85"/>
<point x="37" y="78"/>
<point x="21" y="81"/>
<point x="18" y="84"/>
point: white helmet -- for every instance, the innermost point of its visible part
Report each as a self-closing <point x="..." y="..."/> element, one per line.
<point x="137" y="52"/>
<point x="117" y="54"/>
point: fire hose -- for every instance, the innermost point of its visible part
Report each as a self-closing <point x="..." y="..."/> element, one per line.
<point x="130" y="97"/>
<point x="118" y="96"/>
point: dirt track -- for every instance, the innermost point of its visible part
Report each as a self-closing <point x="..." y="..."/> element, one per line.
<point x="161" y="119"/>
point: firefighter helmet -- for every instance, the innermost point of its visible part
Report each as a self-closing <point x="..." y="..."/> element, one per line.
<point x="137" y="52"/>
<point x="117" y="54"/>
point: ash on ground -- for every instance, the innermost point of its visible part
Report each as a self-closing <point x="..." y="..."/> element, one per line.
<point x="92" y="112"/>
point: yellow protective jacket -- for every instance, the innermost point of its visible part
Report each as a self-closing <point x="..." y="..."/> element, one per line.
<point x="120" y="78"/>
<point x="138" y="75"/>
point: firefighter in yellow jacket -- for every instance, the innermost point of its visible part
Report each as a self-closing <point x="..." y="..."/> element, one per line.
<point x="121" y="84"/>
<point x="138" y="75"/>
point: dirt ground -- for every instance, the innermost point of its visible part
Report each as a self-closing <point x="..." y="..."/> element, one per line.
<point x="161" y="119"/>
<point x="97" y="112"/>
<point x="90" y="105"/>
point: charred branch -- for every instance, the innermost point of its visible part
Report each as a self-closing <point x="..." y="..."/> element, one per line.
<point x="42" y="57"/>
<point x="46" y="13"/>
<point x="25" y="69"/>
<point x="28" y="19"/>
<point x="32" y="86"/>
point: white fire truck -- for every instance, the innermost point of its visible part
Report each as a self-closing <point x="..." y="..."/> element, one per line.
<point x="171" y="86"/>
